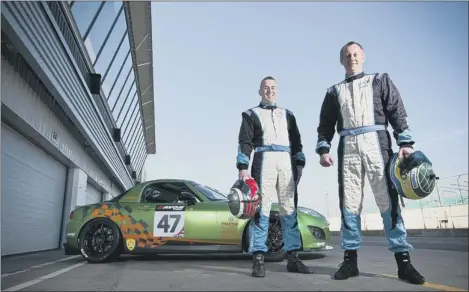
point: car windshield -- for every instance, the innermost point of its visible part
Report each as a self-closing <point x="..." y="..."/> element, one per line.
<point x="211" y="194"/>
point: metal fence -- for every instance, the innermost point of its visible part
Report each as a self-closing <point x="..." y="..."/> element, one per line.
<point x="450" y="190"/>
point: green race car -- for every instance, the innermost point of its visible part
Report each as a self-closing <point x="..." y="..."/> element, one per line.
<point x="176" y="216"/>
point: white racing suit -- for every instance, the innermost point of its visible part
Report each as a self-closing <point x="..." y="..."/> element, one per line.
<point x="273" y="135"/>
<point x="362" y="106"/>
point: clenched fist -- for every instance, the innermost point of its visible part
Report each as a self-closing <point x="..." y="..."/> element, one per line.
<point x="326" y="160"/>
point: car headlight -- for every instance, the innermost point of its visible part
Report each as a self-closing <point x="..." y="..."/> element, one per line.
<point x="317" y="232"/>
<point x="314" y="213"/>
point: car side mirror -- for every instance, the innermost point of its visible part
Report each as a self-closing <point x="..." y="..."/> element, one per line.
<point x="188" y="197"/>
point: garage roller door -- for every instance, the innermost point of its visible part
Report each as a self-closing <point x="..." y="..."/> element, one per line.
<point x="33" y="189"/>
<point x="92" y="195"/>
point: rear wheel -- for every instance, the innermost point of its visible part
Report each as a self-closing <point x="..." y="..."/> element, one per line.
<point x="100" y="241"/>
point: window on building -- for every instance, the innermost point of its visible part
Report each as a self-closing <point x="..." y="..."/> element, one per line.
<point x="110" y="47"/>
<point x="121" y="94"/>
<point x="135" y="161"/>
<point x="133" y="133"/>
<point x="101" y="27"/>
<point x="84" y="12"/>
<point x="120" y="80"/>
<point x="129" y="115"/>
<point x="136" y="144"/>
<point x="111" y="73"/>
<point x="129" y="128"/>
<point x="127" y="109"/>
<point x="123" y="104"/>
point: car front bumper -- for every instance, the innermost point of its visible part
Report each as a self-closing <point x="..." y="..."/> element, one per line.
<point x="324" y="248"/>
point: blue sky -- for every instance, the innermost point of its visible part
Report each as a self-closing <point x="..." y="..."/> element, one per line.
<point x="210" y="57"/>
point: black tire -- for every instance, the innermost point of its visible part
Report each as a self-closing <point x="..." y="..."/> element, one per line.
<point x="274" y="241"/>
<point x="108" y="233"/>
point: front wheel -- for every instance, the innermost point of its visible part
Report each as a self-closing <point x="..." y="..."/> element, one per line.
<point x="99" y="241"/>
<point x="275" y="242"/>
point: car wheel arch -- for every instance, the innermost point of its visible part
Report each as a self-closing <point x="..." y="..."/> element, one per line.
<point x="121" y="240"/>
<point x="274" y="215"/>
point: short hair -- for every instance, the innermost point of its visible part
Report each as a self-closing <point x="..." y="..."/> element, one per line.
<point x="267" y="78"/>
<point x="346" y="46"/>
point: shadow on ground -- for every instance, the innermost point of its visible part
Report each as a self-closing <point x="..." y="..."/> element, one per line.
<point x="204" y="257"/>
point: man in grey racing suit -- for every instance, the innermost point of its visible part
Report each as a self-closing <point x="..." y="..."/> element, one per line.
<point x="272" y="133"/>
<point x="361" y="106"/>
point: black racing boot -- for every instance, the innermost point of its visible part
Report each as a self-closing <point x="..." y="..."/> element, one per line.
<point x="349" y="267"/>
<point x="405" y="269"/>
<point x="295" y="265"/>
<point x="258" y="269"/>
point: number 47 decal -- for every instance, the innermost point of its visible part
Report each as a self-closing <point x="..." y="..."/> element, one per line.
<point x="165" y="225"/>
<point x="168" y="224"/>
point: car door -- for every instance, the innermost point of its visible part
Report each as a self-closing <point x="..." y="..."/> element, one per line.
<point x="229" y="230"/>
<point x="176" y="221"/>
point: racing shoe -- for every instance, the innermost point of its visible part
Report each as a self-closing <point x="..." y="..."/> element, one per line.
<point x="405" y="269"/>
<point x="295" y="265"/>
<point x="258" y="269"/>
<point x="349" y="267"/>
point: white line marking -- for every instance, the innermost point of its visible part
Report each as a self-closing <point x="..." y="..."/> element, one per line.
<point x="38" y="266"/>
<point x="40" y="279"/>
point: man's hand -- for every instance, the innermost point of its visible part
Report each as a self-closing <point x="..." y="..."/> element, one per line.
<point x="405" y="151"/>
<point x="326" y="160"/>
<point x="299" y="174"/>
<point x="244" y="175"/>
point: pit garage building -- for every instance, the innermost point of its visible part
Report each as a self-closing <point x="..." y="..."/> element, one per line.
<point x="77" y="112"/>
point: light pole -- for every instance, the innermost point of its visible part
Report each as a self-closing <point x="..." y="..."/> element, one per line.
<point x="459" y="187"/>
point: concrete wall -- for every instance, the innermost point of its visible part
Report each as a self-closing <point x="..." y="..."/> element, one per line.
<point x="450" y="217"/>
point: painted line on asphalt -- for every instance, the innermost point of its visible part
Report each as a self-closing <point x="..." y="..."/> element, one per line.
<point x="435" y="286"/>
<point x="46" y="277"/>
<point x="39" y="266"/>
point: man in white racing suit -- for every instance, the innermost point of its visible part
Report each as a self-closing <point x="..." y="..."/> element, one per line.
<point x="362" y="106"/>
<point x="272" y="134"/>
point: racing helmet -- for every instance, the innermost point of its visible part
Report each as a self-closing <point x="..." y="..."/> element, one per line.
<point x="412" y="176"/>
<point x="244" y="199"/>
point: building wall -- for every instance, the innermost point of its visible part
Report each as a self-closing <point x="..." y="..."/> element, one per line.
<point x="102" y="27"/>
<point x="46" y="74"/>
<point x="56" y="52"/>
<point x="26" y="111"/>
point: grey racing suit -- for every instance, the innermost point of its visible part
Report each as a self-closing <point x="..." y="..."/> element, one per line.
<point x="272" y="133"/>
<point x="362" y="106"/>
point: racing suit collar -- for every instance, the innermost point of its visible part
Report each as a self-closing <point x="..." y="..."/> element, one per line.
<point x="350" y="78"/>
<point x="265" y="105"/>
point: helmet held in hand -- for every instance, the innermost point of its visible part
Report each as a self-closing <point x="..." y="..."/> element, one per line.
<point x="413" y="176"/>
<point x="244" y="199"/>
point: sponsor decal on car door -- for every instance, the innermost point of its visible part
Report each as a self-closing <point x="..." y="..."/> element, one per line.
<point x="169" y="221"/>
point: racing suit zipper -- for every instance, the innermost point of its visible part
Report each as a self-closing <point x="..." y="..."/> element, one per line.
<point x="357" y="113"/>
<point x="273" y="123"/>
